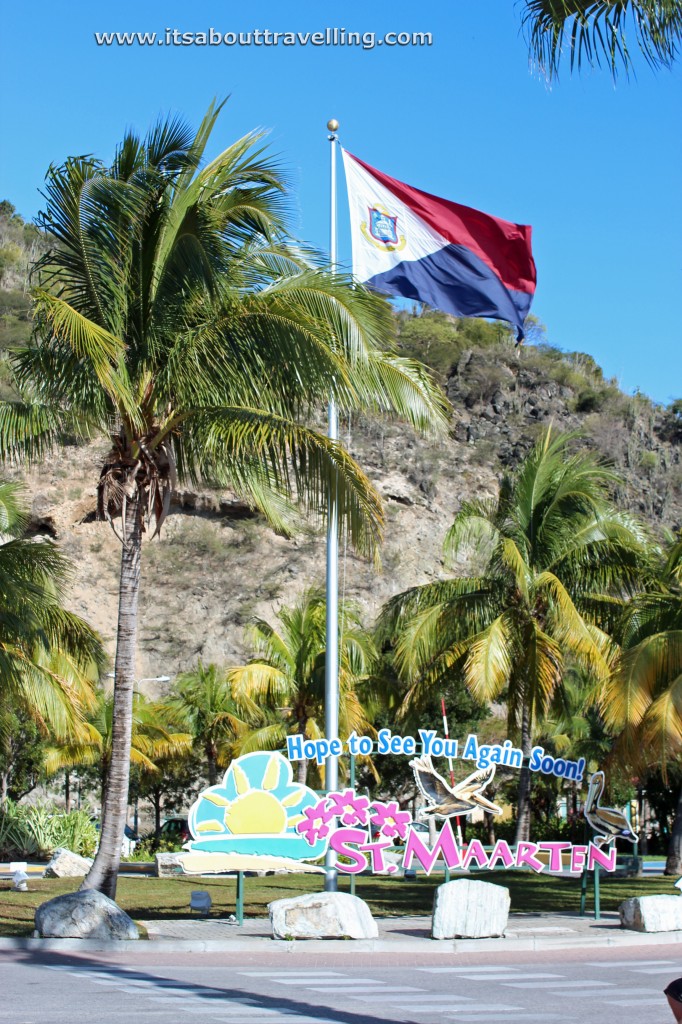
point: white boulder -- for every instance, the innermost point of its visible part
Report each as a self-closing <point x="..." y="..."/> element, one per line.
<point x="66" y="864"/>
<point x="652" y="914"/>
<point x="325" y="915"/>
<point x="84" y="915"/>
<point x="468" y="909"/>
<point x="168" y="865"/>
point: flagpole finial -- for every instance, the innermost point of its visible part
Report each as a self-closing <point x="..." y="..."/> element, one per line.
<point x="333" y="125"/>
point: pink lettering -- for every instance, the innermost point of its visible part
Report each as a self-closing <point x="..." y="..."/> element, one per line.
<point x="445" y="845"/>
<point x="475" y="851"/>
<point x="502" y="853"/>
<point x="578" y="854"/>
<point x="375" y="852"/>
<point x="601" y="857"/>
<point x="525" y="854"/>
<point x="342" y="841"/>
<point x="555" y="858"/>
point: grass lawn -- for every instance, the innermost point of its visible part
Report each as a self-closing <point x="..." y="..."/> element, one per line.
<point x="157" y="898"/>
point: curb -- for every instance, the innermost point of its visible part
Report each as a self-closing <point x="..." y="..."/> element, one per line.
<point x="305" y="947"/>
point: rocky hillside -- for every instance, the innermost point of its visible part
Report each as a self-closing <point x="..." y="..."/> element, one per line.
<point x="217" y="566"/>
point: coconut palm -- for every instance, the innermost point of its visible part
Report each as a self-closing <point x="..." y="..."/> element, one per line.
<point x="642" y="700"/>
<point x="286" y="677"/>
<point x="204" y="701"/>
<point x="154" y="736"/>
<point x="596" y="30"/>
<point x="556" y="562"/>
<point x="49" y="657"/>
<point x="173" y="318"/>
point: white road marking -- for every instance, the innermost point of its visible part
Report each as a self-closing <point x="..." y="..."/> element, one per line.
<point x="430" y="997"/>
<point x="627" y="963"/>
<point x="311" y="980"/>
<point x="653" y="970"/>
<point x="378" y="986"/>
<point x="517" y="1016"/>
<point x="468" y="970"/>
<point x="484" y="1008"/>
<point x="632" y="1005"/>
<point x="627" y="992"/>
<point x="504" y="978"/>
<point x="290" y="974"/>
<point x="442" y="1008"/>
<point x="227" y="1009"/>
<point x="583" y="983"/>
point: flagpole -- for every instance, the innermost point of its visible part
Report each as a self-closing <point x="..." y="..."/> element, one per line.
<point x="331" y="671"/>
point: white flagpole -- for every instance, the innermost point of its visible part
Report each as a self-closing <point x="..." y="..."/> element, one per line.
<point x="331" y="676"/>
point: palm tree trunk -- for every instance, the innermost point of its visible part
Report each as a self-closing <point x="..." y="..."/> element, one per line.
<point x="103" y="874"/>
<point x="212" y="763"/>
<point x="157" y="797"/>
<point x="302" y="769"/>
<point x="67" y="791"/>
<point x="673" y="864"/>
<point x="523" y="800"/>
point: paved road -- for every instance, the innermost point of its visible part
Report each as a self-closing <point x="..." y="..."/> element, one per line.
<point x="603" y="986"/>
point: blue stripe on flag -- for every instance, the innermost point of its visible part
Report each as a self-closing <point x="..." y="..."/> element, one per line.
<point x="456" y="281"/>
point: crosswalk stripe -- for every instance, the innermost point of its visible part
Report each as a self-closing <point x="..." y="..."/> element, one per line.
<point x="633" y="1004"/>
<point x="496" y="968"/>
<point x="634" y="992"/>
<point x="653" y="970"/>
<point x="290" y="974"/>
<point x="504" y="978"/>
<point x="379" y="988"/>
<point x="627" y="963"/>
<point x="514" y="1016"/>
<point x="584" y="983"/>
<point x="429" y="997"/>
<point x="483" y="1008"/>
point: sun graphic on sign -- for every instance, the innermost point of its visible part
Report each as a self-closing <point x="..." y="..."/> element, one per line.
<point x="255" y="810"/>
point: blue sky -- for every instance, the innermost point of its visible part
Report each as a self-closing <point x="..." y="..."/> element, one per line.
<point x="595" y="168"/>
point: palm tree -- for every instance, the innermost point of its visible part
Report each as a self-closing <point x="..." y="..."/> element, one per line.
<point x="575" y="728"/>
<point x="152" y="738"/>
<point x="204" y="701"/>
<point x="642" y="700"/>
<point x="596" y="30"/>
<point x="286" y="676"/>
<point x="556" y="562"/>
<point x="49" y="657"/>
<point x="173" y="318"/>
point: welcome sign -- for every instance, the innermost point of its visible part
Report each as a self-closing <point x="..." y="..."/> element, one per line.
<point x="259" y="817"/>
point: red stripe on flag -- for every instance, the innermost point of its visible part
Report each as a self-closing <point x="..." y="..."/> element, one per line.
<point x="503" y="246"/>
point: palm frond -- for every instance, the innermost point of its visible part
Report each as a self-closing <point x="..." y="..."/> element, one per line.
<point x="596" y="31"/>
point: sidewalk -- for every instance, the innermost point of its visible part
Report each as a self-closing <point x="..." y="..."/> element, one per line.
<point x="398" y="936"/>
<point x="402" y="935"/>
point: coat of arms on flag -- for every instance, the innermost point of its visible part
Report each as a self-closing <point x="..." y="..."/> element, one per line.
<point x="381" y="229"/>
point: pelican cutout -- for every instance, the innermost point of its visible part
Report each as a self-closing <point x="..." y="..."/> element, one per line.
<point x="608" y="823"/>
<point x="447" y="800"/>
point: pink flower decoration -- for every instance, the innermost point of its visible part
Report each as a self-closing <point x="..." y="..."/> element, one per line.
<point x="390" y="820"/>
<point x="316" y="824"/>
<point x="351" y="809"/>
